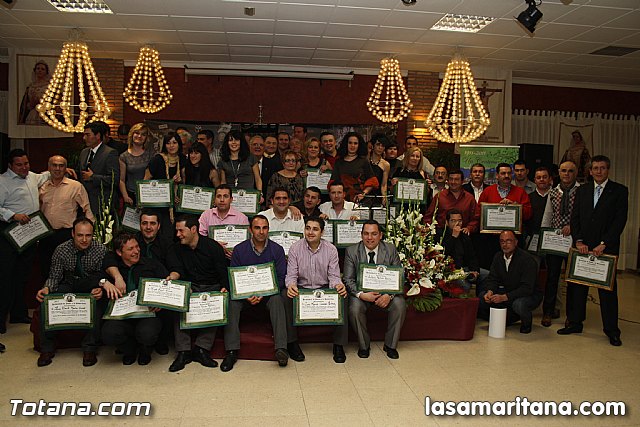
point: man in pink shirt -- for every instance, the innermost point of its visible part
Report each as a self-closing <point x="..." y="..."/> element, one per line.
<point x="222" y="214"/>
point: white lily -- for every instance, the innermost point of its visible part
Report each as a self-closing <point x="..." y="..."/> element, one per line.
<point x="438" y="247"/>
<point x="425" y="282"/>
<point x="415" y="290"/>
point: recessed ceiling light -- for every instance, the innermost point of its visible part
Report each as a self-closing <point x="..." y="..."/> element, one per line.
<point x="463" y="23"/>
<point x="83" y="6"/>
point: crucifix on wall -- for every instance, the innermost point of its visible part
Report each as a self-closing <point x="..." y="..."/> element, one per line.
<point x="485" y="93"/>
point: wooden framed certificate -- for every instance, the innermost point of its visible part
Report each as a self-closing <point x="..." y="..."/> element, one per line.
<point x="68" y="311"/>
<point x="496" y="217"/>
<point x="532" y="243"/>
<point x="131" y="218"/>
<point x="347" y="233"/>
<point x="195" y="200"/>
<point x="553" y="242"/>
<point x="410" y="190"/>
<point x="318" y="307"/>
<point x="317" y="178"/>
<point x="230" y="234"/>
<point x="206" y="309"/>
<point x="21" y="236"/>
<point x="155" y="193"/>
<point x="126" y="307"/>
<point x="285" y="239"/>
<point x="380" y="278"/>
<point x="590" y="270"/>
<point x="246" y="201"/>
<point x="253" y="280"/>
<point x="170" y="294"/>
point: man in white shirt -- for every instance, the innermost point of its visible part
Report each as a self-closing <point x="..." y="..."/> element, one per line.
<point x="280" y="216"/>
<point x="337" y="207"/>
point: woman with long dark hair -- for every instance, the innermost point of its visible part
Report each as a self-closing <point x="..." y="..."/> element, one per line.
<point x="238" y="168"/>
<point x="353" y="168"/>
<point x="199" y="170"/>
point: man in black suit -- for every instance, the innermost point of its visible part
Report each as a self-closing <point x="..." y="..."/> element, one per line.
<point x="511" y="284"/>
<point x="98" y="165"/>
<point x="476" y="183"/>
<point x="597" y="221"/>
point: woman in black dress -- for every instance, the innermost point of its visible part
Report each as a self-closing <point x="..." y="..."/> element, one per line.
<point x="411" y="168"/>
<point x="353" y="168"/>
<point x="198" y="170"/>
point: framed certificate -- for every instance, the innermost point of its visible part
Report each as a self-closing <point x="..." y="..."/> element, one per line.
<point x="315" y="177"/>
<point x="195" y="200"/>
<point x="327" y="234"/>
<point x="285" y="239"/>
<point x="21" y="236"/>
<point x="410" y="190"/>
<point x="347" y="233"/>
<point x="532" y="243"/>
<point x="68" y="311"/>
<point x="553" y="242"/>
<point x="131" y="218"/>
<point x="380" y="278"/>
<point x="384" y="214"/>
<point x="496" y="217"/>
<point x="206" y="309"/>
<point x="253" y="280"/>
<point x="170" y="294"/>
<point x="155" y="193"/>
<point x="246" y="201"/>
<point x="230" y="234"/>
<point x="590" y="270"/>
<point x="126" y="307"/>
<point x="318" y="307"/>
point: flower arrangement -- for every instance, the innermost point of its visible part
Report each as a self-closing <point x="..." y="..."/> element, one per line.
<point x="103" y="230"/>
<point x="428" y="271"/>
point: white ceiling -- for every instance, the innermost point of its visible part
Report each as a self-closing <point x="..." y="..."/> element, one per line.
<point x="349" y="33"/>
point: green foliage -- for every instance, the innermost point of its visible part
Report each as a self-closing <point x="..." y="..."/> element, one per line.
<point x="429" y="302"/>
<point x="442" y="156"/>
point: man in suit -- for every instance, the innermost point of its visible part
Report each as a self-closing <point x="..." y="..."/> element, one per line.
<point x="99" y="166"/>
<point x="511" y="284"/>
<point x="597" y="221"/>
<point x="373" y="250"/>
<point x="476" y="183"/>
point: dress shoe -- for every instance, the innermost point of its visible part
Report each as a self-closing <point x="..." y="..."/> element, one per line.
<point x="556" y="314"/>
<point x="392" y="353"/>
<point x="229" y="360"/>
<point x="203" y="357"/>
<point x="282" y="357"/>
<point x="572" y="328"/>
<point x="26" y="320"/>
<point x="162" y="348"/>
<point x="45" y="359"/>
<point x="2" y="348"/>
<point x="3" y="328"/>
<point x="89" y="358"/>
<point x="295" y="352"/>
<point x="615" y="340"/>
<point x="546" y="320"/>
<point x="338" y="354"/>
<point x="363" y="353"/>
<point x="525" y="328"/>
<point x="129" y="359"/>
<point x="144" y="356"/>
<point x="183" y="358"/>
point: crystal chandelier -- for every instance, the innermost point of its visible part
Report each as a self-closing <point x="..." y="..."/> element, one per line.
<point x="396" y="104"/>
<point x="58" y="99"/>
<point x="140" y="92"/>
<point x="458" y="114"/>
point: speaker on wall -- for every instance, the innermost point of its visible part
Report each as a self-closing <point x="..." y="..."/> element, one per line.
<point x="536" y="155"/>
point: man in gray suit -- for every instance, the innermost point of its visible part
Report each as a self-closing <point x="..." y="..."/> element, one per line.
<point x="98" y="165"/>
<point x="373" y="251"/>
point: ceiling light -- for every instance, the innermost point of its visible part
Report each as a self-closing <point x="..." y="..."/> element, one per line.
<point x="530" y="17"/>
<point x="84" y="6"/>
<point x="462" y="23"/>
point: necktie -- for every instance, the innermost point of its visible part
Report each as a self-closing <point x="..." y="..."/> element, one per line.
<point x="91" y="156"/>
<point x="131" y="284"/>
<point x="79" y="270"/>
<point x="372" y="259"/>
<point x="596" y="195"/>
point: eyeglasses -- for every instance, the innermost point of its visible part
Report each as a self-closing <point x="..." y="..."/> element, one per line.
<point x="502" y="242"/>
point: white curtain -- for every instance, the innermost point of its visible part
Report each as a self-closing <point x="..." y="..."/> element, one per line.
<point x="616" y="136"/>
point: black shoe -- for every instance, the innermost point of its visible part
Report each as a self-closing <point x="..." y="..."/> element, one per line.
<point x="2" y="348"/>
<point x="45" y="359"/>
<point x="3" y="328"/>
<point x="229" y="360"/>
<point x="162" y="348"/>
<point x="295" y="352"/>
<point x="183" y="358"/>
<point x="282" y="357"/>
<point x="555" y="314"/>
<point x="615" y="340"/>
<point x="525" y="328"/>
<point x="144" y="356"/>
<point x="203" y="357"/>
<point x="338" y="354"/>
<point x="26" y="320"/>
<point x="392" y="353"/>
<point x="572" y="328"/>
<point x="129" y="359"/>
<point x="363" y="353"/>
<point x="89" y="358"/>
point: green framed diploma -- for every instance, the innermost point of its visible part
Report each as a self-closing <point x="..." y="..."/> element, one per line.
<point x="253" y="280"/>
<point x="380" y="278"/>
<point x="206" y="309"/>
<point x="590" y="270"/>
<point x="67" y="311"/>
<point x="230" y="234"/>
<point x="327" y="234"/>
<point x="126" y="307"/>
<point x="161" y="293"/>
<point x="553" y="242"/>
<point x="131" y="218"/>
<point x="410" y="190"/>
<point x="195" y="200"/>
<point x="246" y="201"/>
<point x="496" y="217"/>
<point x="155" y="193"/>
<point x="532" y="243"/>
<point x="318" y="307"/>
<point x="315" y="177"/>
<point x="285" y="239"/>
<point x="347" y="232"/>
<point x="21" y="236"/>
<point x="383" y="215"/>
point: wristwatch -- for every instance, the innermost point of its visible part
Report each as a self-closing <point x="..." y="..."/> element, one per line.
<point x="102" y="283"/>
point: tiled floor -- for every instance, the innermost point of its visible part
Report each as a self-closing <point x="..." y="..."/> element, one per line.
<point x="374" y="391"/>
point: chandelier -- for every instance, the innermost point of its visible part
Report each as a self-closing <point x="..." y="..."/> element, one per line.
<point x="396" y="104"/>
<point x="458" y="114"/>
<point x="140" y="92"/>
<point x="58" y="98"/>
